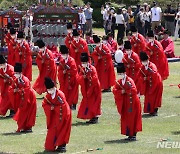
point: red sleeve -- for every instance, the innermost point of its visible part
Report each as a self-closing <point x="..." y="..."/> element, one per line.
<point x="118" y="97"/>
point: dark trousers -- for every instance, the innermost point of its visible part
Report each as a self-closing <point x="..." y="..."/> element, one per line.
<point x="147" y="27"/>
<point x="121" y="30"/>
<point x="141" y="30"/>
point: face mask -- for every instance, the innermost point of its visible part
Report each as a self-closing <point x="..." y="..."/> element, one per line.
<point x="64" y="57"/>
<point x="128" y="52"/>
<point x="76" y="39"/>
<point x="151" y="40"/>
<point x="69" y="31"/>
<point x="84" y="65"/>
<point x="13" y="36"/>
<point x="144" y="63"/>
<point x="17" y="75"/>
<point x="51" y="91"/>
<point x="18" y="41"/>
<point x="104" y="42"/>
<point x="121" y="76"/>
<point x="1" y="66"/>
<point x="112" y="11"/>
<point x="134" y="34"/>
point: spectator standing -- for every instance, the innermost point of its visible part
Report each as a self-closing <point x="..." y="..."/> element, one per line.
<point x="147" y="18"/>
<point x="113" y="20"/>
<point x="131" y="19"/>
<point x="82" y="21"/>
<point x="177" y="25"/>
<point x="156" y="15"/>
<point x="169" y="16"/>
<point x="104" y="12"/>
<point x="88" y="13"/>
<point x="141" y="21"/>
<point x="121" y="24"/>
<point x="126" y="18"/>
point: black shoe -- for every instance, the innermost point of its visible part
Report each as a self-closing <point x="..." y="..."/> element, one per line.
<point x="73" y="107"/>
<point x="61" y="149"/>
<point x="11" y="114"/>
<point x="27" y="131"/>
<point x="133" y="138"/>
<point x="93" y="121"/>
<point x="107" y="90"/>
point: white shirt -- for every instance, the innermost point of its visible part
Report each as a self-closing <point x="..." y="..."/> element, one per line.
<point x="124" y="80"/>
<point x="119" y="19"/>
<point x="147" y="16"/>
<point x="82" y="18"/>
<point x="53" y="95"/>
<point x="178" y="14"/>
<point x="5" y="69"/>
<point x="105" y="14"/>
<point x="156" y="13"/>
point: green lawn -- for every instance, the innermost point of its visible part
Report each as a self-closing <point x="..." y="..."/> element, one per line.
<point x="106" y="134"/>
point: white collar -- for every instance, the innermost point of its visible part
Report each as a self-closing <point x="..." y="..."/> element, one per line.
<point x="146" y="67"/>
<point x="5" y="69"/>
<point x="87" y="68"/>
<point x="124" y="80"/>
<point x="53" y="95"/>
<point x="129" y="55"/>
<point x="66" y="60"/>
<point x="152" y="43"/>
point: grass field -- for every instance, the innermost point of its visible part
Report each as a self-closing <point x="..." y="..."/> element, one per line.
<point x="106" y="134"/>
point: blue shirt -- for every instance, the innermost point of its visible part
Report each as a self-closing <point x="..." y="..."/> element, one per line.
<point x="88" y="13"/>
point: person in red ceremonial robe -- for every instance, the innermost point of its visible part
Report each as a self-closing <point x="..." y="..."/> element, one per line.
<point x="69" y="37"/>
<point x="8" y="35"/>
<point x="104" y="65"/>
<point x="128" y="104"/>
<point x="67" y="75"/>
<point x="58" y="118"/>
<point x="23" y="99"/>
<point x="23" y="55"/>
<point x="78" y="45"/>
<point x="112" y="42"/>
<point x="46" y="66"/>
<point x="137" y="40"/>
<point x="90" y="107"/>
<point x="168" y="45"/>
<point x="132" y="62"/>
<point x="153" y="85"/>
<point x="105" y="42"/>
<point x="157" y="56"/>
<point x="54" y="49"/>
<point x="6" y="78"/>
<point x="11" y="46"/>
<point x="89" y="38"/>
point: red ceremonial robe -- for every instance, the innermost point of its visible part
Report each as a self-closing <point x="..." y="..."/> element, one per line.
<point x="90" y="106"/>
<point x="68" y="80"/>
<point x="6" y="78"/>
<point x="47" y="68"/>
<point x="153" y="87"/>
<point x="132" y="65"/>
<point x="68" y="40"/>
<point x="168" y="46"/>
<point x="54" y="50"/>
<point x="104" y="66"/>
<point x="58" y="120"/>
<point x="158" y="57"/>
<point x="23" y="56"/>
<point x="76" y="48"/>
<point x="24" y="103"/>
<point x="113" y="45"/>
<point x="11" y="53"/>
<point x="128" y="106"/>
<point x="89" y="40"/>
<point x="138" y="43"/>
